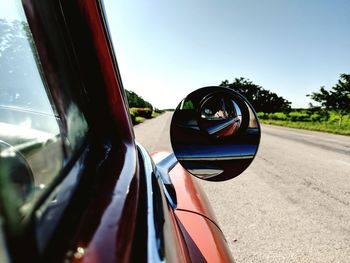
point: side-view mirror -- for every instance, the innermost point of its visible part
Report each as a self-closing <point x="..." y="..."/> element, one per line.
<point x="215" y="133"/>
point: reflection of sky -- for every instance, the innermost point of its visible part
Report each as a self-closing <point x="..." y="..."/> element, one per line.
<point x="25" y="109"/>
<point x="21" y="83"/>
<point x="238" y="110"/>
<point x="11" y="10"/>
<point x="212" y="151"/>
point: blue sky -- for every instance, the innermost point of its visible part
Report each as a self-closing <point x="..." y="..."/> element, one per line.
<point x="166" y="49"/>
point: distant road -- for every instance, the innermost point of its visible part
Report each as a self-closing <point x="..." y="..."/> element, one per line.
<point x="291" y="205"/>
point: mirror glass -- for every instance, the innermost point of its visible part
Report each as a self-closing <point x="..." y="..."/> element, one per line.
<point x="215" y="133"/>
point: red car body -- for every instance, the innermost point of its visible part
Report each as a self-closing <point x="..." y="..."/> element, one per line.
<point x="118" y="210"/>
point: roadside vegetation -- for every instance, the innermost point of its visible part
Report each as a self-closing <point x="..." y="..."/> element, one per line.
<point x="140" y="110"/>
<point x="331" y="114"/>
<point x="328" y="121"/>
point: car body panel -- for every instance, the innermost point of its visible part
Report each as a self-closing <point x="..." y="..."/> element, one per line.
<point x="204" y="239"/>
<point x="201" y="232"/>
<point x="111" y="215"/>
<point x="191" y="197"/>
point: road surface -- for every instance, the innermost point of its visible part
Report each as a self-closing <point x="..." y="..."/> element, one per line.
<point x="291" y="205"/>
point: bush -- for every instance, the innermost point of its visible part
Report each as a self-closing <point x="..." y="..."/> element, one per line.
<point x="133" y="116"/>
<point x="262" y="115"/>
<point x="139" y="119"/>
<point x="299" y="116"/>
<point x="158" y="111"/>
<point x="142" y="112"/>
<point x="278" y="116"/>
<point x="311" y="119"/>
<point x="316" y="117"/>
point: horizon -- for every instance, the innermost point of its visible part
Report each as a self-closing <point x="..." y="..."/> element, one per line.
<point x="309" y="106"/>
<point x="167" y="50"/>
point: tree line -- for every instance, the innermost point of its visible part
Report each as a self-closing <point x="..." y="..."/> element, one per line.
<point x="337" y="99"/>
<point x="136" y="101"/>
<point x="261" y="99"/>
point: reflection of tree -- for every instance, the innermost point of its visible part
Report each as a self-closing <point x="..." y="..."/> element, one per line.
<point x="187" y="105"/>
<point x="21" y="84"/>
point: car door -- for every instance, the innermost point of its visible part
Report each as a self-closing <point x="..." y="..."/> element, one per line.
<point x="69" y="167"/>
<point x="88" y="189"/>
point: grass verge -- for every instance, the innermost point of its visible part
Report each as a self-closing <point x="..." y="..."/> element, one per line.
<point x="313" y="126"/>
<point x="139" y="115"/>
<point x="139" y="119"/>
<point x="156" y="114"/>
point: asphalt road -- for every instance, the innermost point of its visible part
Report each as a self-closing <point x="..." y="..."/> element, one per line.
<point x="291" y="205"/>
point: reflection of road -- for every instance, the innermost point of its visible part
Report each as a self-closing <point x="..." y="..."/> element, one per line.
<point x="291" y="205"/>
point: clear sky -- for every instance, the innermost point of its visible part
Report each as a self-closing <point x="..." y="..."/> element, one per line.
<point x="166" y="49"/>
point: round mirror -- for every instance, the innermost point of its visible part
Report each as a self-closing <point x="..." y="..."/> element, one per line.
<point x="215" y="133"/>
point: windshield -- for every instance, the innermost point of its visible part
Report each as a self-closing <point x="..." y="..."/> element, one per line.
<point x="31" y="149"/>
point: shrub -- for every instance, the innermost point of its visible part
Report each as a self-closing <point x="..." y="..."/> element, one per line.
<point x="142" y="112"/>
<point x="316" y="117"/>
<point x="158" y="110"/>
<point x="133" y="116"/>
<point x="278" y="116"/>
<point x="299" y="116"/>
<point x="261" y="115"/>
<point x="139" y="119"/>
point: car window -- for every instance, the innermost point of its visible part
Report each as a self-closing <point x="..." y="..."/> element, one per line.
<point x="35" y="142"/>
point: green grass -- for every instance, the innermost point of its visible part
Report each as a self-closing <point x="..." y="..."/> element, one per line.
<point x="138" y="115"/>
<point x="139" y="119"/>
<point x="308" y="119"/>
<point x="156" y="114"/>
<point x="314" y="126"/>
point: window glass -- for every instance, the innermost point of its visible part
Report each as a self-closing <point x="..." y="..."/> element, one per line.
<point x="33" y="146"/>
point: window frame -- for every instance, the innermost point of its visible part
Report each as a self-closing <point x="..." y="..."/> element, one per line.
<point x="113" y="134"/>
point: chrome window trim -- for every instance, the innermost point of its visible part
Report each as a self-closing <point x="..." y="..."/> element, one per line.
<point x="153" y="254"/>
<point x="152" y="172"/>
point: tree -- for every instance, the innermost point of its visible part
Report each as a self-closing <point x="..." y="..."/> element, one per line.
<point x="336" y="99"/>
<point x="262" y="100"/>
<point x="20" y="70"/>
<point x="135" y="100"/>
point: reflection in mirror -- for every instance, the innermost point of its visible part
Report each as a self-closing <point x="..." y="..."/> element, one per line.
<point x="215" y="133"/>
<point x="220" y="115"/>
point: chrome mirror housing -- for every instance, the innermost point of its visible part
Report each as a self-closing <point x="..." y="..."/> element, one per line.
<point x="215" y="133"/>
